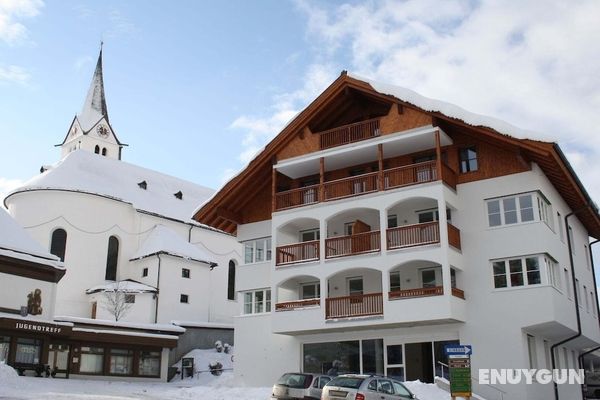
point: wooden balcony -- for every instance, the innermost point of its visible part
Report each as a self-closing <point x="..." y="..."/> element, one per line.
<point x="354" y="306"/>
<point x="297" y="252"/>
<point x="453" y="236"/>
<point x="292" y="305"/>
<point x="413" y="235"/>
<point x="350" y="187"/>
<point x="349" y="133"/>
<point x="297" y="197"/>
<point x="419" y="292"/>
<point x="360" y="243"/>
<point x="408" y="175"/>
<point x="456" y="292"/>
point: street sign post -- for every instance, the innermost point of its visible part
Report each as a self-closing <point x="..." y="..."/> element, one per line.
<point x="459" y="364"/>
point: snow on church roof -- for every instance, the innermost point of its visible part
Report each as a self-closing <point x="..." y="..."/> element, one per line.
<point x="82" y="171"/>
<point x="163" y="240"/>
<point x="16" y="243"/>
<point x="125" y="286"/>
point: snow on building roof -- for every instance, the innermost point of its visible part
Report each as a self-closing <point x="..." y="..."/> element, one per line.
<point x="163" y="240"/>
<point x="126" y="286"/>
<point x="82" y="171"/>
<point x="16" y="243"/>
<point x="121" y="324"/>
<point x="94" y="107"/>
<point x="196" y="324"/>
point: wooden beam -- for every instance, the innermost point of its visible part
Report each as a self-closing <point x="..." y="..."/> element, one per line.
<point x="229" y="215"/>
<point x="273" y="190"/>
<point x="380" y="166"/>
<point x="322" y="179"/>
<point x="438" y="154"/>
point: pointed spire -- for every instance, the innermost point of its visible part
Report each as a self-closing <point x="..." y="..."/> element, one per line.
<point x="94" y="107"/>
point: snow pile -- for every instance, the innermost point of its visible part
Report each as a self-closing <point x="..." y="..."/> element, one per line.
<point x="203" y="359"/>
<point x="8" y="376"/>
<point x="426" y="391"/>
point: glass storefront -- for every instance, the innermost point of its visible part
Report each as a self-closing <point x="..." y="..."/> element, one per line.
<point x="4" y="348"/>
<point x="121" y="362"/>
<point x="92" y="360"/>
<point x="28" y="351"/>
<point x="336" y="358"/>
<point x="149" y="364"/>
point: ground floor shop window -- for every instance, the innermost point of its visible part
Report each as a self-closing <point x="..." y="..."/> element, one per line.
<point x="4" y="348"/>
<point x="372" y="356"/>
<point x="149" y="363"/>
<point x="92" y="360"/>
<point x="395" y="362"/>
<point x="121" y="362"/>
<point x="28" y="351"/>
<point x="336" y="358"/>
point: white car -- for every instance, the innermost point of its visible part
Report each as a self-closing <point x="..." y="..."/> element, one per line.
<point x="297" y="385"/>
<point x="365" y="387"/>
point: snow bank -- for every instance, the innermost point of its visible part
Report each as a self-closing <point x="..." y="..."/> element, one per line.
<point x="8" y="376"/>
<point x="202" y="359"/>
<point x="426" y="391"/>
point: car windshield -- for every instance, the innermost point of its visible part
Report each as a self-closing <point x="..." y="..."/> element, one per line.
<point x="346" y="381"/>
<point x="295" y="381"/>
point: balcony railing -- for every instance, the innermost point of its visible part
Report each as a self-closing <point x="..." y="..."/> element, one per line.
<point x="359" y="243"/>
<point x="297" y="252"/>
<point x="359" y="185"/>
<point x="354" y="306"/>
<point x="292" y="305"/>
<point x="349" y="133"/>
<point x="297" y="197"/>
<point x="413" y="235"/>
<point x="453" y="236"/>
<point x="456" y="292"/>
<point x="410" y="175"/>
<point x="349" y="187"/>
<point x="419" y="292"/>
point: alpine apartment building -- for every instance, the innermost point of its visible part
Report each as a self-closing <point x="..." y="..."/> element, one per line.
<point x="380" y="225"/>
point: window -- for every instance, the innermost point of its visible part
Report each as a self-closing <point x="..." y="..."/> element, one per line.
<point x="468" y="159"/>
<point x="130" y="298"/>
<point x="586" y="254"/>
<point x="533" y="364"/>
<point x="4" y="348"/>
<point x="58" y="243"/>
<point x="568" y="283"/>
<point x="432" y="215"/>
<point x="104" y="151"/>
<point x="92" y="360"/>
<point x="149" y="363"/>
<point x="553" y="272"/>
<point x="184" y="298"/>
<point x="348" y="228"/>
<point x="310" y="290"/>
<point x="310" y="235"/>
<point x="587" y="301"/>
<point x="355" y="286"/>
<point x="185" y="273"/>
<point x="112" y="258"/>
<point x="571" y="239"/>
<point x="231" y="281"/>
<point x="395" y="284"/>
<point x="428" y="278"/>
<point x="522" y="271"/>
<point x="578" y="291"/>
<point x="145" y="272"/>
<point x="257" y="301"/>
<point x="121" y="362"/>
<point x="392" y="221"/>
<point x="544" y="211"/>
<point x="28" y="351"/>
<point x="510" y="210"/>
<point x="395" y="362"/>
<point x="97" y="149"/>
<point x="548" y="354"/>
<point x="258" y="250"/>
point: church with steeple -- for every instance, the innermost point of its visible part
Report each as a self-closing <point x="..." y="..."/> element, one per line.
<point x="136" y="263"/>
<point x="91" y="129"/>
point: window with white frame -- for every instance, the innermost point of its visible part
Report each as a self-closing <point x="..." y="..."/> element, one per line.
<point x="561" y="228"/>
<point x="520" y="271"/>
<point x="258" y="250"/>
<point x="257" y="301"/>
<point x="311" y="290"/>
<point x="571" y="239"/>
<point x="568" y="283"/>
<point x="533" y="364"/>
<point x="395" y="284"/>
<point x="548" y="354"/>
<point x="586" y="254"/>
<point x="432" y="215"/>
<point x="518" y="209"/>
<point x="553" y="271"/>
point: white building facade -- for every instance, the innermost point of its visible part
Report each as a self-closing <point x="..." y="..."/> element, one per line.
<point x="386" y="239"/>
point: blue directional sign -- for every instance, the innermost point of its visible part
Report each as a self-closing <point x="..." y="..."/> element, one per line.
<point x="458" y="350"/>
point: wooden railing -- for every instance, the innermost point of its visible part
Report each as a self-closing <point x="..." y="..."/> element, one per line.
<point x="292" y="305"/>
<point x="353" y="244"/>
<point x="297" y="252"/>
<point x="352" y="186"/>
<point x="449" y="176"/>
<point x="419" y="292"/>
<point x="297" y="197"/>
<point x="453" y="236"/>
<point x="349" y="133"/>
<point x="456" y="292"/>
<point x="354" y="306"/>
<point x="407" y="175"/>
<point x="413" y="235"/>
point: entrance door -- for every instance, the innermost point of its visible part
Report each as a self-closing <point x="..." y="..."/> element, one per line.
<point x="419" y="362"/>
<point x="58" y="360"/>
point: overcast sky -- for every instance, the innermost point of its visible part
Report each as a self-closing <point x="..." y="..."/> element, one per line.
<point x="195" y="88"/>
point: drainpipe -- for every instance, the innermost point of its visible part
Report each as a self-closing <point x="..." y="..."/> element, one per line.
<point x="157" y="290"/>
<point x="190" y="234"/>
<point x="575" y="295"/>
<point x="581" y="366"/>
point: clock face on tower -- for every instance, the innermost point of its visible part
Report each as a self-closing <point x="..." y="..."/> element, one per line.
<point x="102" y="131"/>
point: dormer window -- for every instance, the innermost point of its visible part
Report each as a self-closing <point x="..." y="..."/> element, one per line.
<point x="143" y="185"/>
<point x="178" y="195"/>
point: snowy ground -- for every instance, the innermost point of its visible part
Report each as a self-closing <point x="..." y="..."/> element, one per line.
<point x="203" y="386"/>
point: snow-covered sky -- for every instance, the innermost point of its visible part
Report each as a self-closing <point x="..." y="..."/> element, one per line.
<point x="196" y="88"/>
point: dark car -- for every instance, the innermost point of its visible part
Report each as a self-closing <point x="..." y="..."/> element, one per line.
<point x="298" y="385"/>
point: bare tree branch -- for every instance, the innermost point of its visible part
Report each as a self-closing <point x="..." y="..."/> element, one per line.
<point x="115" y="301"/>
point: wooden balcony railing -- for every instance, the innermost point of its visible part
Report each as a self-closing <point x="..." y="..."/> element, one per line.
<point x="297" y="252"/>
<point x="349" y="133"/>
<point x="453" y="236"/>
<point x="419" y="292"/>
<point x="292" y="305"/>
<point x="349" y="187"/>
<point x="354" y="306"/>
<point x="456" y="292"/>
<point x="449" y="176"/>
<point x="413" y="235"/>
<point x="407" y="175"/>
<point x="297" y="197"/>
<point x="359" y="243"/>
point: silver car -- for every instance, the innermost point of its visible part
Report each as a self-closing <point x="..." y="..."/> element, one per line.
<point x="365" y="387"/>
<point x="296" y="385"/>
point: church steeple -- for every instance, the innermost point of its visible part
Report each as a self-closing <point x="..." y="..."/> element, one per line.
<point x="91" y="129"/>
